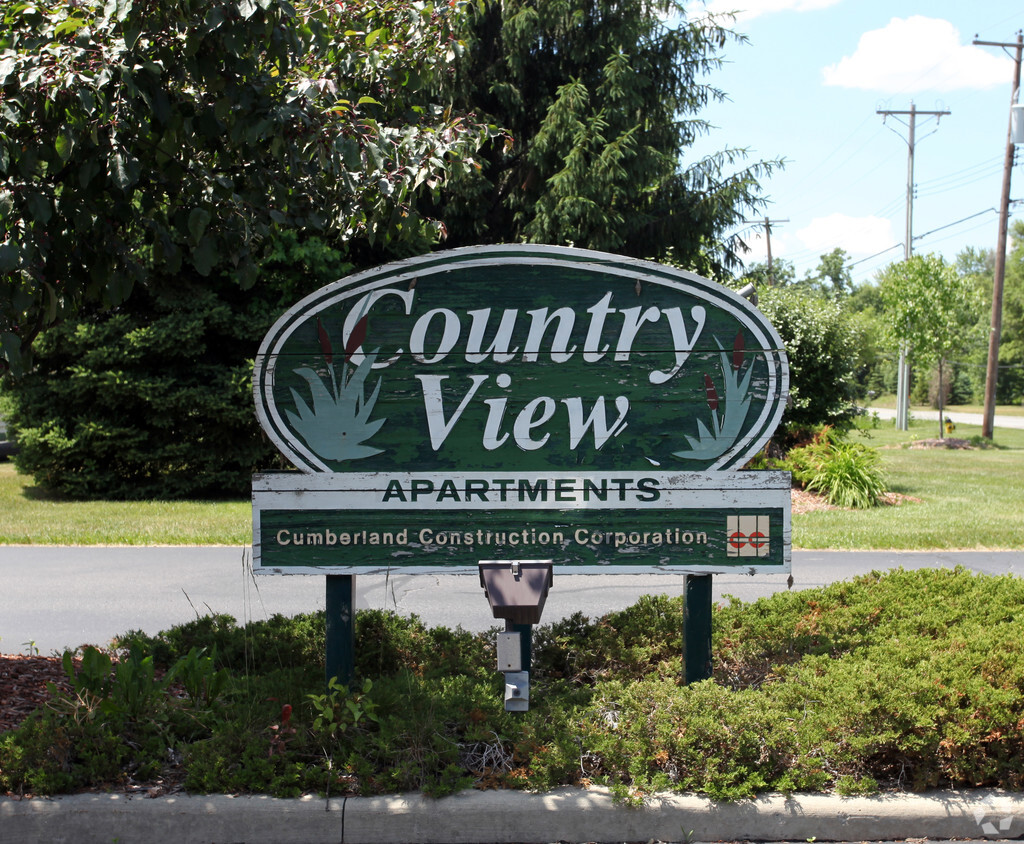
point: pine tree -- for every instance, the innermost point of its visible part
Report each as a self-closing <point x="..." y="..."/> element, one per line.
<point x="601" y="102"/>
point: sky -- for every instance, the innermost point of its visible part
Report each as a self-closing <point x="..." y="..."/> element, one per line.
<point x="807" y="87"/>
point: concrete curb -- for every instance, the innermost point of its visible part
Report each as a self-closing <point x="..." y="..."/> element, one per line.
<point x="505" y="817"/>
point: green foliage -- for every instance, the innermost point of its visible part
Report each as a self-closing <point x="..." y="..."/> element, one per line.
<point x="150" y="401"/>
<point x="1010" y="384"/>
<point x="929" y="306"/>
<point x="601" y="102"/>
<point x="340" y="710"/>
<point x="197" y="673"/>
<point x="830" y="279"/>
<point x="906" y="671"/>
<point x="848" y="474"/>
<point x="260" y="646"/>
<point x="931" y="310"/>
<point x="782" y="274"/>
<point x="173" y="137"/>
<point x="154" y="399"/>
<point x="905" y="681"/>
<point x="821" y="344"/>
<point x="131" y="687"/>
<point x="115" y="723"/>
<point x="834" y="274"/>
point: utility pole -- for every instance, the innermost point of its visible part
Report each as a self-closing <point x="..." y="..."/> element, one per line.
<point x="903" y="370"/>
<point x="768" y="241"/>
<point x="992" y="370"/>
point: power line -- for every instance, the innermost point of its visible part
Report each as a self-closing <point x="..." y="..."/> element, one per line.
<point x="967" y="172"/>
<point x="877" y="254"/>
<point x="956" y="182"/>
<point x="957" y="223"/>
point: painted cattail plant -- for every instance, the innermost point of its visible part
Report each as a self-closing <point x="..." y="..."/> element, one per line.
<point x="728" y="413"/>
<point x="338" y="424"/>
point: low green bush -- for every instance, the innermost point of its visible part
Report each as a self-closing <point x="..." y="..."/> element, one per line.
<point x="847" y="474"/>
<point x="902" y="681"/>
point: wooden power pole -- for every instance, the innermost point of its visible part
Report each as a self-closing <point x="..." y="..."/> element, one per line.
<point x="992" y="370"/>
<point x="768" y="242"/>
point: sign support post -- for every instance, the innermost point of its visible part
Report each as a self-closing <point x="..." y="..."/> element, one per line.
<point x="525" y="632"/>
<point x="339" y="652"/>
<point x="697" y="628"/>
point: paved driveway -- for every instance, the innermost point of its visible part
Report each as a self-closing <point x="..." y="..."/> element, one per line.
<point x="58" y="597"/>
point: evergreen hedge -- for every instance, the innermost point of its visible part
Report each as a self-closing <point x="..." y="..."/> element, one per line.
<point x="153" y="400"/>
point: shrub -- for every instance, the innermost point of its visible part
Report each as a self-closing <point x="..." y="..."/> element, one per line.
<point x="821" y="342"/>
<point x="154" y="399"/>
<point x="847" y="474"/>
<point x="907" y="680"/>
<point x="850" y="477"/>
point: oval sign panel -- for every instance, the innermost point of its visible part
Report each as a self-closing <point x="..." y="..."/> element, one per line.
<point x="526" y="358"/>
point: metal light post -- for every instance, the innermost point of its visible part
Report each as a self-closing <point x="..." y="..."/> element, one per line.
<point x="903" y="368"/>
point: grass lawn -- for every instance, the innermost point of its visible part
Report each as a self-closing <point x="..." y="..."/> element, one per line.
<point x="30" y="517"/>
<point x="956" y="499"/>
<point x="963" y="499"/>
<point x="1001" y="410"/>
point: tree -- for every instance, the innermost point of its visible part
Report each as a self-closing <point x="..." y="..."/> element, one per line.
<point x="153" y="399"/>
<point x="1010" y="384"/>
<point x="782" y="274"/>
<point x="601" y="101"/>
<point x="876" y="367"/>
<point x="821" y="344"/>
<point x="172" y="135"/>
<point x="979" y="266"/>
<point x="834" y="275"/>
<point x="931" y="309"/>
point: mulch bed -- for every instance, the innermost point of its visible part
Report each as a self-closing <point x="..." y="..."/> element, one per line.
<point x="23" y="687"/>
<point x="945" y="442"/>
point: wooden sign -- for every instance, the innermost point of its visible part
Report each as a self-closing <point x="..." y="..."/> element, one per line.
<point x="521" y="402"/>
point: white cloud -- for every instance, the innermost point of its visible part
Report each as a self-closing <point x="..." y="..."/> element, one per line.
<point x="860" y="236"/>
<point x="918" y="54"/>
<point x="783" y="244"/>
<point x="749" y="9"/>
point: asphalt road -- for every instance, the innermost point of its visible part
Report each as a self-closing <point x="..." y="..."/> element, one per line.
<point x="957" y="417"/>
<point x="54" y="597"/>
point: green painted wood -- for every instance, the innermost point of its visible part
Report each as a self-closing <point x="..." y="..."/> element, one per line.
<point x="521" y="401"/>
<point x="725" y="521"/>
<point x="532" y="356"/>
<point x="573" y="538"/>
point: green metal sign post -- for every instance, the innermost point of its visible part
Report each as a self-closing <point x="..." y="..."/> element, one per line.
<point x="697" y="628"/>
<point x="340" y="619"/>
<point x="520" y="402"/>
